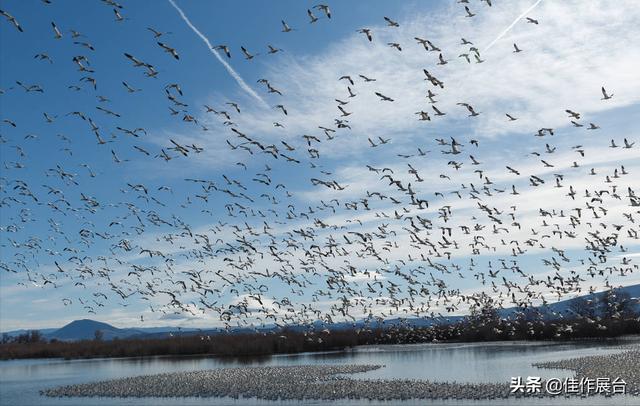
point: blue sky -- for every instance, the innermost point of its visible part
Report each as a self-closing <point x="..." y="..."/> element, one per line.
<point x="574" y="50"/>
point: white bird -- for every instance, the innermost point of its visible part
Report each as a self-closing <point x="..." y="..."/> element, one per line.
<point x="311" y="16"/>
<point x="344" y="112"/>
<point x="129" y="88"/>
<point x="367" y="32"/>
<point x="285" y="27"/>
<point x="281" y="107"/>
<point x="170" y="50"/>
<point x="223" y="48"/>
<point x="156" y="33"/>
<point x="118" y="15"/>
<point x="56" y="31"/>
<point x="246" y="53"/>
<point x="383" y="97"/>
<point x="391" y="23"/>
<point x="12" y="20"/>
<point x="325" y="9"/>
<point x="136" y="62"/>
<point x="469" y="13"/>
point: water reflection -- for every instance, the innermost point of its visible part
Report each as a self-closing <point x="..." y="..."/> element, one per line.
<point x="21" y="380"/>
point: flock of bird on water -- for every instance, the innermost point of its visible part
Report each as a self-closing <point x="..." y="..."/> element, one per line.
<point x="263" y="259"/>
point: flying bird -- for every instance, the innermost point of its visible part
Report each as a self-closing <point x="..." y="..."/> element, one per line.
<point x="469" y="13"/>
<point x="324" y="8"/>
<point x="366" y="32"/>
<point x="391" y="23"/>
<point x="281" y="107"/>
<point x="312" y="17"/>
<point x="383" y="97"/>
<point x="224" y="49"/>
<point x="169" y="50"/>
<point x="12" y="20"/>
<point x="246" y="53"/>
<point x="285" y="27"/>
<point x="56" y="32"/>
<point x="156" y="33"/>
<point x="118" y="16"/>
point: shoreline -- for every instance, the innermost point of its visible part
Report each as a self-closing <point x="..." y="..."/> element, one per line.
<point x="621" y="338"/>
<point x="327" y="382"/>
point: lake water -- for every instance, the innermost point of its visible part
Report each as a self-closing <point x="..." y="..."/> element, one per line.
<point x="21" y="380"/>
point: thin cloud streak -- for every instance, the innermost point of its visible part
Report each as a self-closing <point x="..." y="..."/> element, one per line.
<point x="228" y="67"/>
<point x="506" y="30"/>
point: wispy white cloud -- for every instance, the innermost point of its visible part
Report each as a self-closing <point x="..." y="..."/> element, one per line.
<point x="226" y="65"/>
<point x="510" y="26"/>
<point x="577" y="48"/>
<point x="536" y="85"/>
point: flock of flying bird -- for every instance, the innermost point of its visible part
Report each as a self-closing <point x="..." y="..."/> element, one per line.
<point x="263" y="259"/>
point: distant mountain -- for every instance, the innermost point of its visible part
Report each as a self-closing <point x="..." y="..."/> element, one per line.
<point x="566" y="307"/>
<point x="551" y="311"/>
<point x="85" y="329"/>
<point x="15" y="333"/>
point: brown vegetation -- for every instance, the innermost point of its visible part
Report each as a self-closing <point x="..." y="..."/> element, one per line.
<point x="485" y="326"/>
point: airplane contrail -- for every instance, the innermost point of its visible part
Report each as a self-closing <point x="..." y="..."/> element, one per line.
<point x="506" y="30"/>
<point x="228" y="67"/>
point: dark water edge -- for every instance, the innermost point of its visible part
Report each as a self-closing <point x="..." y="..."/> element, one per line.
<point x="21" y="380"/>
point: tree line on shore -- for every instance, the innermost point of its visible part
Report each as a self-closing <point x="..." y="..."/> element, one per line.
<point x="613" y="315"/>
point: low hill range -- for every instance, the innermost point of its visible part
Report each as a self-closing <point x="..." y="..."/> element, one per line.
<point x="85" y="329"/>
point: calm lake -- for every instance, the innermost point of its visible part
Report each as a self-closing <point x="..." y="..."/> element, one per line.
<point x="21" y="380"/>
